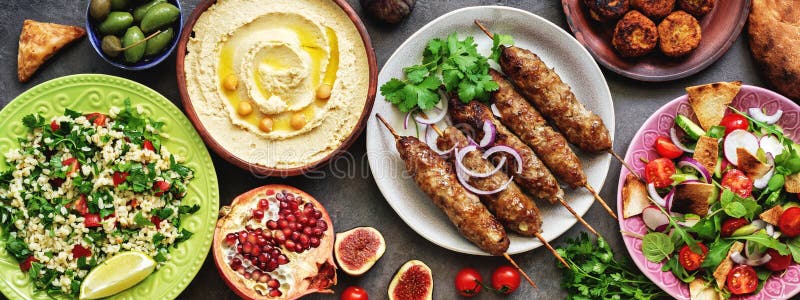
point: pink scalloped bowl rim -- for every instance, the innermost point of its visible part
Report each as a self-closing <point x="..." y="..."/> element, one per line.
<point x="778" y="286"/>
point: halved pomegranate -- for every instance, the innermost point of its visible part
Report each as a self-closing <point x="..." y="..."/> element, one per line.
<point x="275" y="242"/>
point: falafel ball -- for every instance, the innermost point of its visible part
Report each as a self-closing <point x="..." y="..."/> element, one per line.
<point x="679" y="34"/>
<point x="654" y="9"/>
<point x="635" y="35"/>
<point x="697" y="8"/>
<point x="607" y="10"/>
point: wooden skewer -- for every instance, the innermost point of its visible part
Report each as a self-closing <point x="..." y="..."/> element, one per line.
<point x="555" y="253"/>
<point x="600" y="200"/>
<point x="513" y="263"/>
<point x="577" y="216"/>
<point x="486" y="31"/>
<point x="623" y="162"/>
<point x="510" y="260"/>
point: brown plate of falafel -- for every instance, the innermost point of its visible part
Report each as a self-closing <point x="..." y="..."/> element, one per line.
<point x="656" y="40"/>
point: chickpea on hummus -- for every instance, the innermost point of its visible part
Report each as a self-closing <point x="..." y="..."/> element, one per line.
<point x="278" y="83"/>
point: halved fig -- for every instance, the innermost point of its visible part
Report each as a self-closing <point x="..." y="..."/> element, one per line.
<point x="413" y="281"/>
<point x="275" y="242"/>
<point x="357" y="249"/>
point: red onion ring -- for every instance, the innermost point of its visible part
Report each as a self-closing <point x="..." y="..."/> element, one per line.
<point x="651" y="190"/>
<point x="438" y="116"/>
<point x="495" y="111"/>
<point x="673" y="135"/>
<point x="408" y="116"/>
<point x="691" y="162"/>
<point x="460" y="153"/>
<point x="433" y="144"/>
<point x="489" y="134"/>
<point x="462" y="178"/>
<point x="505" y="149"/>
<point x="760" y="116"/>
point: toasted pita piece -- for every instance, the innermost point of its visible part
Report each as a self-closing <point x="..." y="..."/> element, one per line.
<point x="721" y="273"/>
<point x="634" y="196"/>
<point x="792" y="183"/>
<point x="706" y="152"/>
<point x="772" y="215"/>
<point x="699" y="289"/>
<point x="693" y="198"/>
<point x="750" y="165"/>
<point x="39" y="41"/>
<point x="709" y="101"/>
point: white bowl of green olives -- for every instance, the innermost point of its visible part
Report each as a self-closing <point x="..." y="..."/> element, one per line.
<point x="134" y="34"/>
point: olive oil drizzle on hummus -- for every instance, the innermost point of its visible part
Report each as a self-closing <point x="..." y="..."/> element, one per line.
<point x="282" y="120"/>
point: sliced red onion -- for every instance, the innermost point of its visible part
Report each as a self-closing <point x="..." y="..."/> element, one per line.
<point x="668" y="199"/>
<point x="654" y="218"/>
<point x="438" y="116"/>
<point x="651" y="190"/>
<point x="761" y="183"/>
<point x="694" y="164"/>
<point x="760" y="116"/>
<point x="505" y="149"/>
<point x="460" y="153"/>
<point x="737" y="258"/>
<point x="760" y="224"/>
<point x="462" y="178"/>
<point x="407" y="117"/>
<point x="495" y="111"/>
<point x="770" y="229"/>
<point x="489" y="134"/>
<point x="432" y="144"/>
<point x="771" y="145"/>
<point x="741" y="260"/>
<point x="673" y="135"/>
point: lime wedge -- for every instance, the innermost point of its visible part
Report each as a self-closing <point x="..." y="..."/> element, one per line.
<point x="117" y="274"/>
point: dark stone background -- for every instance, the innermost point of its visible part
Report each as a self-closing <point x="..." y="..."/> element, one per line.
<point x="356" y="201"/>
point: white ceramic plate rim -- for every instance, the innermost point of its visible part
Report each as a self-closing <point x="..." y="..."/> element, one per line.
<point x="582" y="205"/>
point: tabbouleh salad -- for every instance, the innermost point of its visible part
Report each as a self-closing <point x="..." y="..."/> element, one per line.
<point x="83" y="187"/>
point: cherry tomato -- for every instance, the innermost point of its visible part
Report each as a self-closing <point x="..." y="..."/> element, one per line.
<point x="79" y="251"/>
<point x="658" y="172"/>
<point x="790" y="222"/>
<point x="160" y="187"/>
<point x="666" y="148"/>
<point x="80" y="205"/>
<point x="505" y="279"/>
<point x="737" y="182"/>
<point x="148" y="145"/>
<point x="73" y="164"/>
<point x="354" y="293"/>
<point x="691" y="261"/>
<point x="733" y="122"/>
<point x="25" y="265"/>
<point x="778" y="262"/>
<point x="91" y="220"/>
<point x="119" y="177"/>
<point x="468" y="282"/>
<point x="97" y="119"/>
<point x="730" y="225"/>
<point x="54" y="126"/>
<point x="742" y="279"/>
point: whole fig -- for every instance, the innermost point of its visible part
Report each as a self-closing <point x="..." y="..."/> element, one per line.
<point x="388" y="11"/>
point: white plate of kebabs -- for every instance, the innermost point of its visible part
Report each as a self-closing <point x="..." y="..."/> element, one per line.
<point x="469" y="175"/>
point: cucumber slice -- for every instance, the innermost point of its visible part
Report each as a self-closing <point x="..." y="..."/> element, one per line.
<point x="718" y="168"/>
<point x="692" y="130"/>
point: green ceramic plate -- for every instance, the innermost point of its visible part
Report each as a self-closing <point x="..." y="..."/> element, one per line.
<point x="95" y="92"/>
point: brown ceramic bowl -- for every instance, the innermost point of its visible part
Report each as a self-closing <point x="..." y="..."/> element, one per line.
<point x="258" y="169"/>
<point x="720" y="28"/>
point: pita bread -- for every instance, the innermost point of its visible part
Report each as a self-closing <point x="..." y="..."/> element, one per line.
<point x="721" y="273"/>
<point x="39" y="41"/>
<point x="706" y="152"/>
<point x="699" y="289"/>
<point x="792" y="183"/>
<point x="772" y="215"/>
<point x="750" y="165"/>
<point x="634" y="196"/>
<point x="709" y="101"/>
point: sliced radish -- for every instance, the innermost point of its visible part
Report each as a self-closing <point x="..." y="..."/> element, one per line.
<point x="654" y="218"/>
<point x="739" y="139"/>
<point x="760" y="116"/>
<point x="771" y="145"/>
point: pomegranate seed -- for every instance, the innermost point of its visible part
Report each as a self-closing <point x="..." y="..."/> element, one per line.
<point x="291" y="218"/>
<point x="230" y="239"/>
<point x="247" y="275"/>
<point x="284" y="212"/>
<point x="239" y="248"/>
<point x="287" y="232"/>
<point x="256" y="273"/>
<point x="279" y="196"/>
<point x="275" y="253"/>
<point x="299" y="248"/>
<point x="282" y="223"/>
<point x="240" y="270"/>
<point x="295" y="236"/>
<point x="247" y="247"/>
<point x="283" y="205"/>
<point x="267" y="235"/>
<point x="290" y="197"/>
<point x="279" y="237"/>
<point x="252" y="239"/>
<point x="248" y="228"/>
<point x="282" y="259"/>
<point x="236" y="262"/>
<point x="261" y="241"/>
<point x="272" y="265"/>
<point x="258" y="214"/>
<point x="317" y="214"/>
<point x="308" y="231"/>
<point x="262" y="265"/>
<point x="263" y="203"/>
<point x="270" y="192"/>
<point x="274" y="293"/>
<point x="317" y="232"/>
<point x="313" y="242"/>
<point x="303" y="220"/>
<point x="264" y="257"/>
<point x="303" y="239"/>
<point x="255" y="251"/>
<point x="274" y="284"/>
<point x="289" y="244"/>
<point x="264" y="278"/>
<point x="272" y="224"/>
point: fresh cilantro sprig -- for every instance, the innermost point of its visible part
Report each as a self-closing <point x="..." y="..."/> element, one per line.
<point x="497" y="41"/>
<point x="595" y="274"/>
<point x="451" y="62"/>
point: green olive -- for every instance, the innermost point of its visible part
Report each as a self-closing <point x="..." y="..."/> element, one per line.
<point x="132" y="36"/>
<point x="115" y="23"/>
<point x="140" y="11"/>
<point x="160" y="41"/>
<point x="111" y="46"/>
<point x="99" y="9"/>
<point x="119" y="4"/>
<point x="160" y="15"/>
